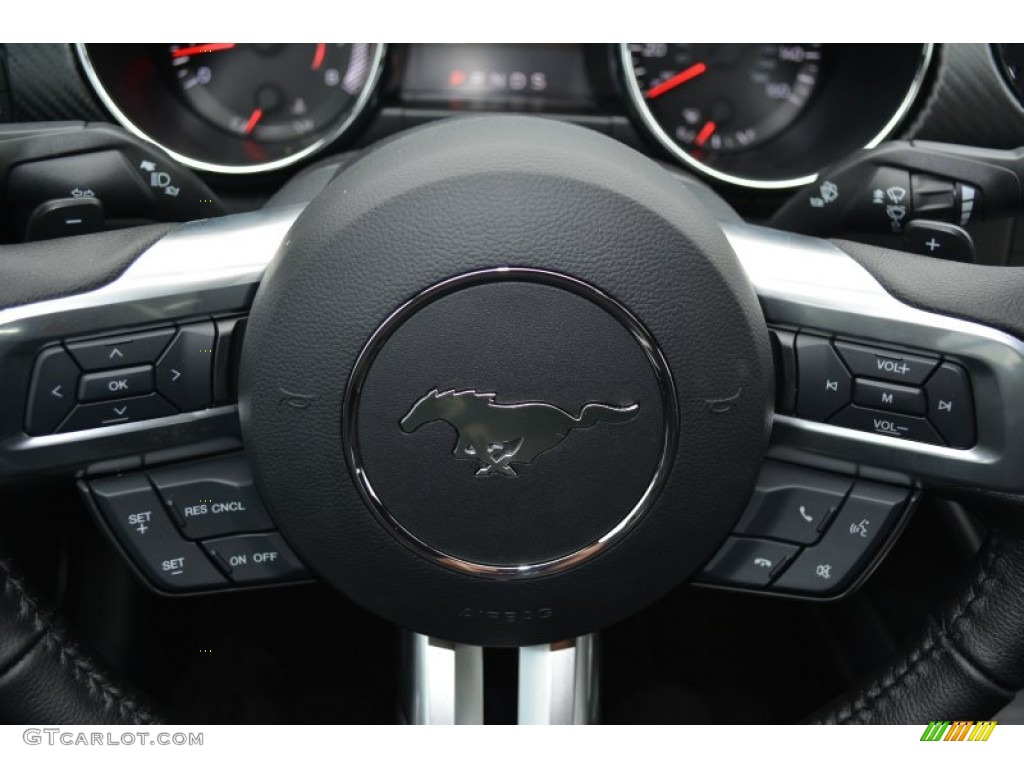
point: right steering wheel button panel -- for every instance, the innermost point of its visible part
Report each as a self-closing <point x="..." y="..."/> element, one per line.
<point x="894" y="393"/>
<point x="846" y="528"/>
<point x="863" y="523"/>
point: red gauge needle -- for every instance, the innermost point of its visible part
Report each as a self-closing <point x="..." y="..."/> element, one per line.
<point x="194" y="50"/>
<point x="705" y="133"/>
<point x="318" y="57"/>
<point x="676" y="80"/>
<point x="253" y="119"/>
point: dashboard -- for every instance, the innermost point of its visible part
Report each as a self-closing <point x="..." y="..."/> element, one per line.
<point x="753" y="116"/>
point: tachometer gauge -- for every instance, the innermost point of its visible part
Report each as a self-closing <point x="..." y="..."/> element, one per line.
<point x="270" y="92"/>
<point x="234" y="107"/>
<point x="725" y="97"/>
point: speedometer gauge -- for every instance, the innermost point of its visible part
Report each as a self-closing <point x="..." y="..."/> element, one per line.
<point x="725" y="97"/>
<point x="769" y="115"/>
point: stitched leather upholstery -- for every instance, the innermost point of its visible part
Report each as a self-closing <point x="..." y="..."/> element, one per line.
<point x="47" y="677"/>
<point x="969" y="661"/>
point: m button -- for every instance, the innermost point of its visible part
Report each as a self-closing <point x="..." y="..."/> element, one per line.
<point x="889" y="397"/>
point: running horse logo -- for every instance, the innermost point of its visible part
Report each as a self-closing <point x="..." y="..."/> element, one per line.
<point x="498" y="435"/>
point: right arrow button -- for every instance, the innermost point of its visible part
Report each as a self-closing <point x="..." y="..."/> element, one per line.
<point x="950" y="406"/>
<point x="184" y="374"/>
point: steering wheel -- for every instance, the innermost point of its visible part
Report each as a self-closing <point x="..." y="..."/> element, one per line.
<point x="505" y="382"/>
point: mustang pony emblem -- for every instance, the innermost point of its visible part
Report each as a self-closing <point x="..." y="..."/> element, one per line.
<point x="498" y="435"/>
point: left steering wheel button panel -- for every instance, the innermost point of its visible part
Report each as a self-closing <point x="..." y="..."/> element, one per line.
<point x="52" y="391"/>
<point x="139" y="521"/>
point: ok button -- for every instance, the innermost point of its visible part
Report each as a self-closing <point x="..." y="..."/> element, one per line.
<point x="123" y="382"/>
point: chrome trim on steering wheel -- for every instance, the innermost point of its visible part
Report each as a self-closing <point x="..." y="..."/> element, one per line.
<point x="201" y="268"/>
<point x="216" y="265"/>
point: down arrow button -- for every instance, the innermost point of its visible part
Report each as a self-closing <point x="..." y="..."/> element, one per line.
<point x="184" y="374"/>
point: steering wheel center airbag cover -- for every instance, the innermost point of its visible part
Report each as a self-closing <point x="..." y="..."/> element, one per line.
<point x="505" y="382"/>
<point x="552" y="489"/>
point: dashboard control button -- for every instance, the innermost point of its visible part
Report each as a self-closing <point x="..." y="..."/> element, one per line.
<point x="884" y="364"/>
<point x="256" y="558"/>
<point x="884" y="202"/>
<point x="105" y="176"/>
<point x="889" y="397"/>
<point x="939" y="239"/>
<point x="950" y="407"/>
<point x="184" y="374"/>
<point x="886" y="423"/>
<point x="120" y="351"/>
<point x="862" y="524"/>
<point x="139" y="521"/>
<point x="63" y="217"/>
<point x="111" y="412"/>
<point x="934" y="198"/>
<point x="823" y="383"/>
<point x="212" y="497"/>
<point x="747" y="562"/>
<point x="124" y="382"/>
<point x="51" y="394"/>
<point x="792" y="503"/>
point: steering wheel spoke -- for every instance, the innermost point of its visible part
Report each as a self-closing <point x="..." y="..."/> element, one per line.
<point x="142" y="366"/>
<point x="911" y="395"/>
<point x="445" y="683"/>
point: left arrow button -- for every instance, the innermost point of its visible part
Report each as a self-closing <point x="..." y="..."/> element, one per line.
<point x="51" y="393"/>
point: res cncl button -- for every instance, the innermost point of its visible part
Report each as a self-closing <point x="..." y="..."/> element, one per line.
<point x="212" y="497"/>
